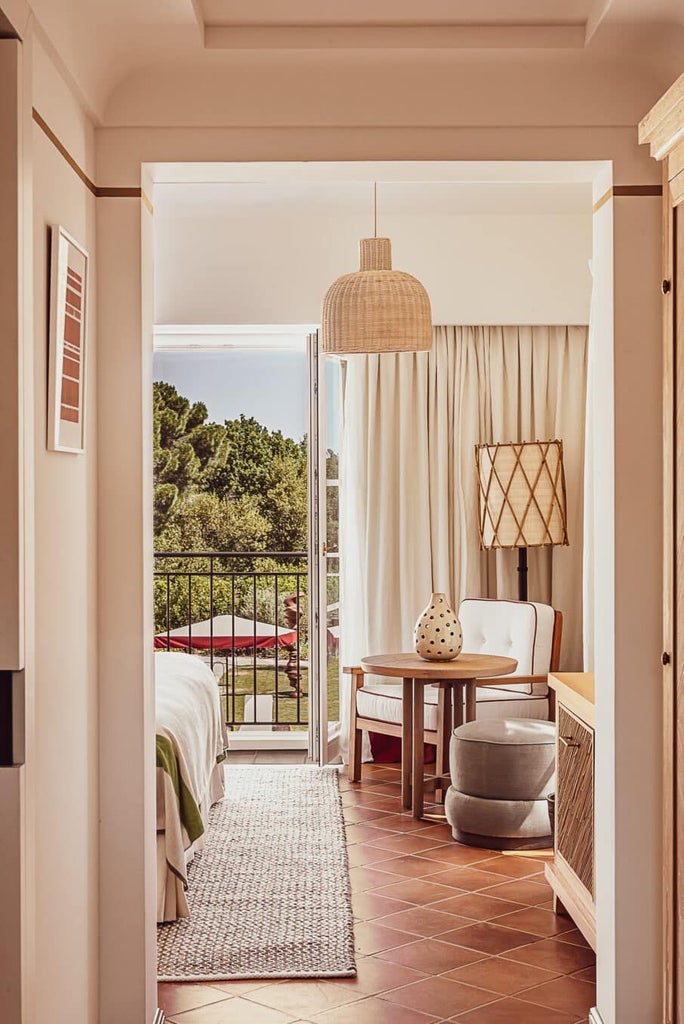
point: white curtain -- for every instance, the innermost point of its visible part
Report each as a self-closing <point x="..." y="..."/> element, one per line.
<point x="408" y="489"/>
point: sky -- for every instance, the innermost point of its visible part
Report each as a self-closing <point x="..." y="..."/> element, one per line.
<point x="270" y="386"/>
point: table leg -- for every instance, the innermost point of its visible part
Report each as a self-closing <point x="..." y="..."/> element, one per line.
<point x="458" y="703"/>
<point x="418" y="760"/>
<point x="406" y="742"/>
<point x="470" y="700"/>
<point x="444" y="730"/>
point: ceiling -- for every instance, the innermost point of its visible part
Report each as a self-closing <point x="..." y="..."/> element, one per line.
<point x="393" y="12"/>
<point x="433" y="24"/>
<point x="103" y="44"/>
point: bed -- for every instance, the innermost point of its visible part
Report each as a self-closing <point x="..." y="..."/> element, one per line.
<point x="190" y="749"/>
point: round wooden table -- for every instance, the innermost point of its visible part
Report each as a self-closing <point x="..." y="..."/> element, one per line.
<point x="456" y="679"/>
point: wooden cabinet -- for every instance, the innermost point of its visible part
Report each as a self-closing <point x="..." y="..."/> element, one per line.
<point x="571" y="873"/>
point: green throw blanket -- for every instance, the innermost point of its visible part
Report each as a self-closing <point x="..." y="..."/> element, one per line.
<point x="189" y="811"/>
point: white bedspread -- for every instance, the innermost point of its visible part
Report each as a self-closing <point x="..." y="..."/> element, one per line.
<point x="188" y="714"/>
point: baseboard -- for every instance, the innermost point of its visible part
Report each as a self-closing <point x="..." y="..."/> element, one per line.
<point x="159" y="1017"/>
<point x="263" y="739"/>
<point x="594" y="1016"/>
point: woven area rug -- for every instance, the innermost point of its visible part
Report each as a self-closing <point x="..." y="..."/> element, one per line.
<point x="269" y="895"/>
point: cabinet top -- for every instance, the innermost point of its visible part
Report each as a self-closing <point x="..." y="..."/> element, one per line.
<point x="662" y="125"/>
<point x="580" y="684"/>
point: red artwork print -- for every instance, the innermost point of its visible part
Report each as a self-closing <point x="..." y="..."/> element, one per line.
<point x="71" y="364"/>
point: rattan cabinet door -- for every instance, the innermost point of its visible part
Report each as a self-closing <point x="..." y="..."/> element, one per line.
<point x="575" y="796"/>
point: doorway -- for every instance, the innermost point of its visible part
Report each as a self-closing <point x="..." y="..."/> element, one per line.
<point x="599" y="174"/>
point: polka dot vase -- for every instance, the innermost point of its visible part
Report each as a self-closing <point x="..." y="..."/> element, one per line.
<point x="438" y="635"/>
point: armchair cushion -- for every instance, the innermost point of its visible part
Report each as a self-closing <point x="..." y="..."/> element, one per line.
<point x="381" y="702"/>
<point x="517" y="629"/>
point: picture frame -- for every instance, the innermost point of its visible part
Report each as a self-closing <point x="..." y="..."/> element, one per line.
<point x="67" y="343"/>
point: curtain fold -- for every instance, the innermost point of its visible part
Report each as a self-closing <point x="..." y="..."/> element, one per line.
<point x="408" y="489"/>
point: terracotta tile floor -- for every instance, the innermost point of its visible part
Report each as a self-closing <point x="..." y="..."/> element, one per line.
<point x="443" y="933"/>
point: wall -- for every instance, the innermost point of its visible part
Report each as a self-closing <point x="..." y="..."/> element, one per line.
<point x="627" y="600"/>
<point x="600" y="594"/>
<point x="64" y="768"/>
<point x="268" y="256"/>
<point x="127" y="721"/>
<point x="395" y="89"/>
<point x="637" y="755"/>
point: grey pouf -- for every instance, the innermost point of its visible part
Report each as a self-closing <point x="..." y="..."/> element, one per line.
<point x="502" y="771"/>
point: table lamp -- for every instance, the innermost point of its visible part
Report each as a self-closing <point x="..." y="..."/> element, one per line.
<point x="522" y="498"/>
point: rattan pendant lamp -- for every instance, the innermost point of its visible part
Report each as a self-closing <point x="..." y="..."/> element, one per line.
<point x="376" y="309"/>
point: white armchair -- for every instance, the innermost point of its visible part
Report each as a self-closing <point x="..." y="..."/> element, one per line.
<point x="528" y="632"/>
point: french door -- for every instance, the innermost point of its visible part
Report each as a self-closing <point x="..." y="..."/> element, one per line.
<point x="324" y="554"/>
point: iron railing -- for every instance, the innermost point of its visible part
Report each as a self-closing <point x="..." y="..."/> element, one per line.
<point x="246" y="614"/>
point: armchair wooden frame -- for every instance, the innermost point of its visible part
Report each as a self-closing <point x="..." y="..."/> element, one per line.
<point x="447" y="717"/>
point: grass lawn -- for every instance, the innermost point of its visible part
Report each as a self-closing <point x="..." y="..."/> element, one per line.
<point x="286" y="707"/>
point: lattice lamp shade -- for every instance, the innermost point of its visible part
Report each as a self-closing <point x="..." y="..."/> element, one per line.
<point x="376" y="309"/>
<point x="522" y="494"/>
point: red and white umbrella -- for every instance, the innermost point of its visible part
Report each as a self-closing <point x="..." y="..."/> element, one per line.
<point x="226" y="632"/>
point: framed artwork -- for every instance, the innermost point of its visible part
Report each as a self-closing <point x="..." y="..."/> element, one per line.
<point x="67" y="343"/>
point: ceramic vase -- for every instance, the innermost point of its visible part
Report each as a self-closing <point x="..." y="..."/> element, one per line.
<point x="438" y="635"/>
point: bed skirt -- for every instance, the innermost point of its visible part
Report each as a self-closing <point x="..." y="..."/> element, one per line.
<point x="174" y="850"/>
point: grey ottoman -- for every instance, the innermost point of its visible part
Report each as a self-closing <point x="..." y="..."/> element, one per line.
<point x="502" y="771"/>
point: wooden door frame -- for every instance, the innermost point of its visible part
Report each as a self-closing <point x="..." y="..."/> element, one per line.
<point x="663" y="129"/>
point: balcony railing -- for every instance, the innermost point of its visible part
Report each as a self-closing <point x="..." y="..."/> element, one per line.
<point x="245" y="613"/>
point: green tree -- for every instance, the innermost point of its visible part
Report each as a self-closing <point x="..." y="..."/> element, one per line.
<point x="231" y="486"/>
<point x="203" y="522"/>
<point x="180" y="466"/>
<point x="252" y="448"/>
<point x="165" y="499"/>
<point x="285" y="505"/>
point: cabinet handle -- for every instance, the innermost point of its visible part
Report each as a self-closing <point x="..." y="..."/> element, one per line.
<point x="569" y="741"/>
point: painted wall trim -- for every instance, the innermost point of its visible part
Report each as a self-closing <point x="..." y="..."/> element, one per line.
<point x="595" y="1016"/>
<point x="637" y="190"/>
<point x="99" y="191"/>
<point x="627" y="190"/>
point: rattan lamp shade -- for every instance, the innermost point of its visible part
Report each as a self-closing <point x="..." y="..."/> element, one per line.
<point x="376" y="309"/>
<point x="522" y="494"/>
